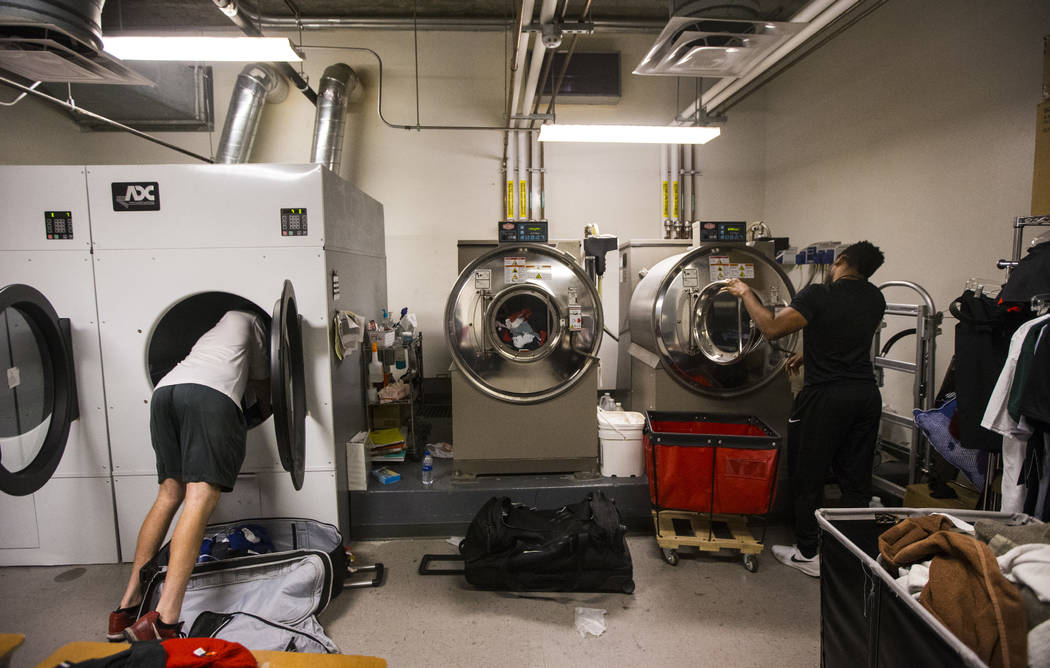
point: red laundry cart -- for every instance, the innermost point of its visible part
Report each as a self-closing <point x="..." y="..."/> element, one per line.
<point x="707" y="473"/>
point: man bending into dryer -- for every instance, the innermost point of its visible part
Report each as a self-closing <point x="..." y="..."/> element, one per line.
<point x="198" y="433"/>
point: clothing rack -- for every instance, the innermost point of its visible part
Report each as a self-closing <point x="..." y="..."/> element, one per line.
<point x="989" y="499"/>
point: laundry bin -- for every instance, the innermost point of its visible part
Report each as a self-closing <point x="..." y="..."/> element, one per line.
<point x="620" y="435"/>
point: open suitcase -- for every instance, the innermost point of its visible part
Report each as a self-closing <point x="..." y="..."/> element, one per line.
<point x="264" y="591"/>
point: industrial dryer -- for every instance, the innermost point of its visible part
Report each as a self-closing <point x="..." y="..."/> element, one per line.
<point x="692" y="344"/>
<point x="175" y="246"/>
<point x="523" y="324"/>
<point x="54" y="455"/>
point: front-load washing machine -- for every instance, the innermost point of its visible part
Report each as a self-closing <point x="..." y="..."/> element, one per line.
<point x="692" y="345"/>
<point x="57" y="500"/>
<point x="523" y="324"/>
<point x="175" y="246"/>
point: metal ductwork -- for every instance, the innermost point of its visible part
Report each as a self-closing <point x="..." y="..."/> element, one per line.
<point x="333" y="95"/>
<point x="58" y="40"/>
<point x="257" y="84"/>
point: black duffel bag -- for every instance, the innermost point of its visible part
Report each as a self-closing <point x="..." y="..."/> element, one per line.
<point x="579" y="547"/>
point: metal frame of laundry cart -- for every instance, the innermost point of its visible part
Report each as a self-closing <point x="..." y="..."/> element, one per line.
<point x="866" y="618"/>
<point x="687" y="513"/>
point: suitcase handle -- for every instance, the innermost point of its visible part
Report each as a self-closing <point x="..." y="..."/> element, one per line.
<point x="377" y="581"/>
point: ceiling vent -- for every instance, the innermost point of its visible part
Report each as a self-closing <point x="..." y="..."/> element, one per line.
<point x="691" y="46"/>
<point x="58" y="40"/>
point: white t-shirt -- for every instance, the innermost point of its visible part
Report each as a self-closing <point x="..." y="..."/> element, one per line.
<point x="225" y="356"/>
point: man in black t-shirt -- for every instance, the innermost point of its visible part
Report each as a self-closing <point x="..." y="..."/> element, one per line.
<point x="835" y="420"/>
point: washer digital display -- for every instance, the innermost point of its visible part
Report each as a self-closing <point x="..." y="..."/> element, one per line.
<point x="293" y="223"/>
<point x="512" y="231"/>
<point x="58" y="224"/>
<point x="723" y="231"/>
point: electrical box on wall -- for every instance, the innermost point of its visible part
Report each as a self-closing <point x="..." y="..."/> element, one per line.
<point x="591" y="78"/>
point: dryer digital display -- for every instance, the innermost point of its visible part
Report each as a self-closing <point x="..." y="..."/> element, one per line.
<point x="58" y="224"/>
<point x="293" y="223"/>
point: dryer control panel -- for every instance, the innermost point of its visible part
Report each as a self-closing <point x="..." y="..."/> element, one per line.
<point x="516" y="231"/>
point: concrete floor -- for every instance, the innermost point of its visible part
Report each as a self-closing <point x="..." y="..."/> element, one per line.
<point x="707" y="611"/>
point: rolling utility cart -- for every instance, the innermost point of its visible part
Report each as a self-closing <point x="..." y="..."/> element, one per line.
<point x="707" y="473"/>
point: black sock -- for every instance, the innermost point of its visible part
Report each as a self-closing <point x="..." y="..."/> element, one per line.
<point x="130" y="609"/>
<point x="162" y="625"/>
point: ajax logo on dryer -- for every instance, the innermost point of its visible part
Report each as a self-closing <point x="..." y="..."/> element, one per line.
<point x="136" y="196"/>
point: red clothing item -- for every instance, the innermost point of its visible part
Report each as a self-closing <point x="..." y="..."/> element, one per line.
<point x="183" y="653"/>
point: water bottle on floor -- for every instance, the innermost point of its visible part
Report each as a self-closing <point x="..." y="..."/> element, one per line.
<point x="427" y="475"/>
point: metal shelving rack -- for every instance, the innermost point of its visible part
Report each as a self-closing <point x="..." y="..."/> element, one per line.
<point x="927" y="327"/>
<point x="407" y="408"/>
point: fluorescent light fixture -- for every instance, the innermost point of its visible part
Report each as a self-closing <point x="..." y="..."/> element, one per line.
<point x="246" y="49"/>
<point x="629" y="134"/>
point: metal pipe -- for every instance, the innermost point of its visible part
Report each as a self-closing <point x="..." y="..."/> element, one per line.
<point x="231" y="9"/>
<point x="688" y="210"/>
<point x="480" y="24"/>
<point x="257" y="83"/>
<point x="675" y="151"/>
<point x="333" y="95"/>
<point x="538" y="53"/>
<point x="512" y="180"/>
<point x="665" y="183"/>
<point x="97" y="117"/>
<point x="379" y="103"/>
<point x="517" y="61"/>
<point x="523" y="175"/>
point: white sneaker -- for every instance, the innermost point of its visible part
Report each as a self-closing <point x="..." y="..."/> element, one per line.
<point x="790" y="556"/>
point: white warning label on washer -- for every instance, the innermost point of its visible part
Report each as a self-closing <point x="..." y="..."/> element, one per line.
<point x="722" y="268"/>
<point x="518" y="270"/>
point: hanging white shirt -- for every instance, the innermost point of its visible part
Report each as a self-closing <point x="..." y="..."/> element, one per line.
<point x="1015" y="432"/>
<point x="225" y="356"/>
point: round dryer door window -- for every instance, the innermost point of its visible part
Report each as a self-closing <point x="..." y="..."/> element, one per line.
<point x="523" y="323"/>
<point x="37" y="389"/>
<point x="288" y="385"/>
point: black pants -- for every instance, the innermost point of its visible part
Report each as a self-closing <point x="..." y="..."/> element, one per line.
<point x="833" y="425"/>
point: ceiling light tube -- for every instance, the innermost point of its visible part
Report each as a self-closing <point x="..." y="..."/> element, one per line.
<point x="630" y="134"/>
<point x="206" y="49"/>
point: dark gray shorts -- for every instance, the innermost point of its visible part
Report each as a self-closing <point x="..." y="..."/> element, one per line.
<point x="198" y="435"/>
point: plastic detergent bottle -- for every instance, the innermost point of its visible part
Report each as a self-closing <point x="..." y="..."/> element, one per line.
<point x="427" y="474"/>
<point x="375" y="368"/>
<point x="607" y="403"/>
<point x="876" y="502"/>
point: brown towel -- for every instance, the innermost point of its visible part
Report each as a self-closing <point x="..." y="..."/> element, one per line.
<point x="966" y="592"/>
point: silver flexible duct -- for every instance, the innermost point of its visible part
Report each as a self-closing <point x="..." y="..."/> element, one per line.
<point x="257" y="84"/>
<point x="333" y="96"/>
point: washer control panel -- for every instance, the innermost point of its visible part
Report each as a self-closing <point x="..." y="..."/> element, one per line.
<point x="516" y="231"/>
<point x="723" y="231"/>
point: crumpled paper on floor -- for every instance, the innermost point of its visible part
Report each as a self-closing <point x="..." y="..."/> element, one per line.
<point x="590" y="620"/>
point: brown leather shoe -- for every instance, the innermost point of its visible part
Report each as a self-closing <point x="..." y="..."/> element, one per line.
<point x="148" y="628"/>
<point x="120" y="619"/>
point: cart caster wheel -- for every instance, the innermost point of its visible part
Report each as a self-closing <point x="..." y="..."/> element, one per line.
<point x="751" y="562"/>
<point x="670" y="556"/>
<point x="627" y="587"/>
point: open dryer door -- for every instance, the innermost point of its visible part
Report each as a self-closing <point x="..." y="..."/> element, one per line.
<point x="38" y="395"/>
<point x="288" y="384"/>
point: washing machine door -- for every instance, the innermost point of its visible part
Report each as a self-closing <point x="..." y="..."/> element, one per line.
<point x="38" y="398"/>
<point x="523" y="323"/>
<point x="702" y="333"/>
<point x="288" y="384"/>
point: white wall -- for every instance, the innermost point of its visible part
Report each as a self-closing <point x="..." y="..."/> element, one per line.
<point x="441" y="186"/>
<point x="915" y="129"/>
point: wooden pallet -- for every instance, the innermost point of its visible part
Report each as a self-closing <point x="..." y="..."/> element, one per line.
<point x="706" y="532"/>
